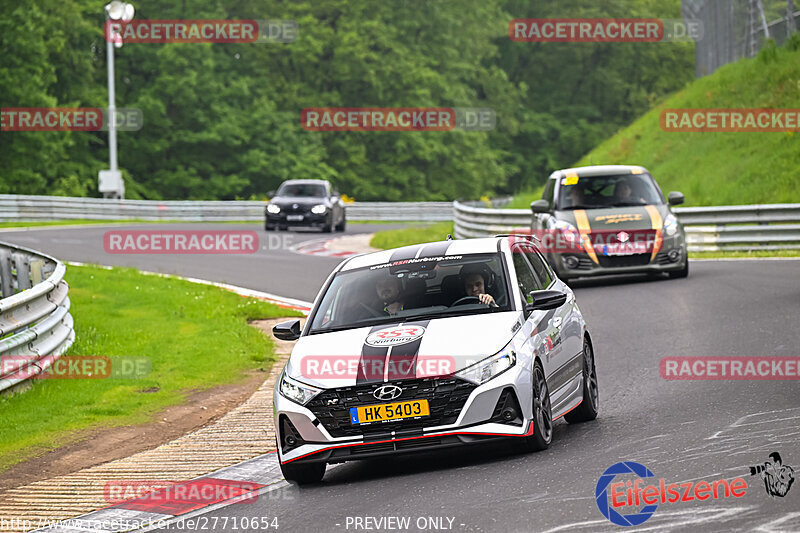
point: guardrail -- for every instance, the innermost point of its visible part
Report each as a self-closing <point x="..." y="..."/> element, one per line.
<point x="44" y="208"/>
<point x="724" y="228"/>
<point x="35" y="325"/>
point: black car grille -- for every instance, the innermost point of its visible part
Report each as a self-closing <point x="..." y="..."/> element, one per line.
<point x="446" y="397"/>
<point x="623" y="260"/>
<point x="301" y="209"/>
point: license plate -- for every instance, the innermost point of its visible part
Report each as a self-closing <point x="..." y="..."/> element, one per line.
<point x="389" y="411"/>
<point x="294" y="218"/>
<point x="627" y="248"/>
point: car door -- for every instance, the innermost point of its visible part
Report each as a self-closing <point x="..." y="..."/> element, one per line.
<point x="567" y="318"/>
<point x="546" y="325"/>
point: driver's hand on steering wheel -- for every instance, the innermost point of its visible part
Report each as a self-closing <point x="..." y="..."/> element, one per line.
<point x="487" y="299"/>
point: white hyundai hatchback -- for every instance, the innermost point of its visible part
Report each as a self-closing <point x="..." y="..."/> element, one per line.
<point x="431" y="346"/>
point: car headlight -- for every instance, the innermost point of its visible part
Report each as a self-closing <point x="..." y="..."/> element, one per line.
<point x="489" y="368"/>
<point x="296" y="391"/>
<point x="319" y="209"/>
<point x="570" y="233"/>
<point x="274" y="209"/>
<point x="671" y="224"/>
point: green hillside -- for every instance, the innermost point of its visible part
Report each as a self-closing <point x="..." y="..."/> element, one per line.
<point x="721" y="168"/>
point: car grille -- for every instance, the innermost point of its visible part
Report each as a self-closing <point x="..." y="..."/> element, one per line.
<point x="623" y="260"/>
<point x="301" y="209"/>
<point x="446" y="397"/>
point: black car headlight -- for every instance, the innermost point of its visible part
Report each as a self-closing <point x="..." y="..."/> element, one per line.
<point x="319" y="209"/>
<point x="273" y="209"/>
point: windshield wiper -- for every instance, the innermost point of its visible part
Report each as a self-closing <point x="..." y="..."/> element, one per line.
<point x="581" y="206"/>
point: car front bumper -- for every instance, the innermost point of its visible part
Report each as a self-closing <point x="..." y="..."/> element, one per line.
<point x="671" y="257"/>
<point x="476" y="422"/>
<point x="307" y="220"/>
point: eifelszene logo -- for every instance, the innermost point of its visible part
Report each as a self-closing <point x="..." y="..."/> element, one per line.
<point x="627" y="495"/>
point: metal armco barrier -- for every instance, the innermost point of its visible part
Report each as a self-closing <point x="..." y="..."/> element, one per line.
<point x="43" y="208"/>
<point x="708" y="229"/>
<point x="35" y="324"/>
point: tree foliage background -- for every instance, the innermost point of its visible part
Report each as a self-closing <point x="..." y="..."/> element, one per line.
<point x="222" y="121"/>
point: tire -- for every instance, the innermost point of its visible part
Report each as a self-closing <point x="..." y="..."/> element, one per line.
<point x="682" y="273"/>
<point x="542" y="414"/>
<point x="588" y="408"/>
<point x="283" y="228"/>
<point x="303" y="474"/>
<point x="328" y="227"/>
<point x="341" y="226"/>
<point x="267" y="227"/>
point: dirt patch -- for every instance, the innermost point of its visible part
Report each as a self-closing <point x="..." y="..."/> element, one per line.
<point x="94" y="447"/>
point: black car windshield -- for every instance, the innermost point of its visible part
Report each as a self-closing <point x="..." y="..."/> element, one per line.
<point x="312" y="190"/>
<point x="618" y="190"/>
<point x="412" y="289"/>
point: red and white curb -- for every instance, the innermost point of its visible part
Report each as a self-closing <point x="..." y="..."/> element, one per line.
<point x="320" y="248"/>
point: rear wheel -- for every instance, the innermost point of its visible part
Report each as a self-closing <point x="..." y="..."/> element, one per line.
<point x="587" y="410"/>
<point x="303" y="474"/>
<point x="682" y="273"/>
<point x="542" y="414"/>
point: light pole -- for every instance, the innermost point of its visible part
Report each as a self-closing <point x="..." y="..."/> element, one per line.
<point x="110" y="181"/>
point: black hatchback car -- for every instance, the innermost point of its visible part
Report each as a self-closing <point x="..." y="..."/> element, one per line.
<point x="305" y="203"/>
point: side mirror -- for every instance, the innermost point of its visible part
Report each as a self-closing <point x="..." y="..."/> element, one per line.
<point x="287" y="331"/>
<point x="544" y="300"/>
<point x="270" y="193"/>
<point x="675" y="198"/>
<point x="540" y="206"/>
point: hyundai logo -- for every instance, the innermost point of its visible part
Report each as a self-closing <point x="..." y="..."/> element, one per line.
<point x="385" y="393"/>
<point x="295" y="206"/>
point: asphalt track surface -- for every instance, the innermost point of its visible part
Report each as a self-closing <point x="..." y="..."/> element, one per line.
<point x="681" y="430"/>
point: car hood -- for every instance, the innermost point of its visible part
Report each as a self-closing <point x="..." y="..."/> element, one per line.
<point x="427" y="347"/>
<point x="617" y="218"/>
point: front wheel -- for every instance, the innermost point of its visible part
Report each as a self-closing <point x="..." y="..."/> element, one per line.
<point x="588" y="408"/>
<point x="542" y="414"/>
<point x="341" y="226"/>
<point x="303" y="474"/>
<point x="682" y="273"/>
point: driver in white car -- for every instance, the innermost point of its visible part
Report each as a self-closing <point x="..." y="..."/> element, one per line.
<point x="476" y="279"/>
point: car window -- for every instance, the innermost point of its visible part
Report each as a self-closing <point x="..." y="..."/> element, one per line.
<point x="411" y="289"/>
<point x="302" y="189"/>
<point x="549" y="191"/>
<point x="617" y="190"/>
<point x="526" y="281"/>
<point x="539" y="267"/>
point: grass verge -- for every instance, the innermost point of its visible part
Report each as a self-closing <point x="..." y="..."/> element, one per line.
<point x="195" y="337"/>
<point x="394" y="238"/>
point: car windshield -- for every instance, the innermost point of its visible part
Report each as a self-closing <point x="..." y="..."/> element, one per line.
<point x="413" y="289"/>
<point x="597" y="192"/>
<point x="302" y="189"/>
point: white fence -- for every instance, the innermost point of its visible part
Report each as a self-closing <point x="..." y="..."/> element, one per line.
<point x="44" y="208"/>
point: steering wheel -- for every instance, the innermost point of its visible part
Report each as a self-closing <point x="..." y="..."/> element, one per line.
<point x="467" y="299"/>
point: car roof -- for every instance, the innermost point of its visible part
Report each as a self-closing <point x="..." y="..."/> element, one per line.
<point x="598" y="170"/>
<point x="305" y="182"/>
<point x="429" y="249"/>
